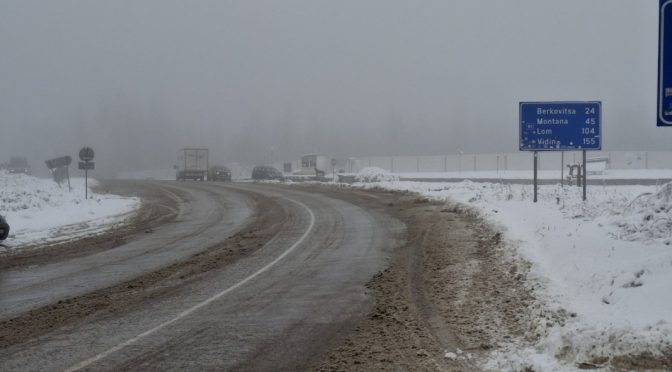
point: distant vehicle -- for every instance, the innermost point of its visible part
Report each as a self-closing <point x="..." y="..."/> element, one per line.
<point x="193" y="165"/>
<point x="4" y="228"/>
<point x="264" y="172"/>
<point x="218" y="173"/>
<point x="18" y="165"/>
<point x="314" y="164"/>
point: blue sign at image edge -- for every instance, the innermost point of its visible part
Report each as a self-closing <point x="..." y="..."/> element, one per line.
<point x="664" y="90"/>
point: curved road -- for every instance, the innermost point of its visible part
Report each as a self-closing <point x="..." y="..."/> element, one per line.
<point x="204" y="217"/>
<point x="275" y="309"/>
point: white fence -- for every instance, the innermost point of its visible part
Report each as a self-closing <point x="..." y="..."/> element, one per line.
<point x="511" y="161"/>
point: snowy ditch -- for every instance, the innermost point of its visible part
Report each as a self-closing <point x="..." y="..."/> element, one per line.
<point x="605" y="264"/>
<point x="39" y="212"/>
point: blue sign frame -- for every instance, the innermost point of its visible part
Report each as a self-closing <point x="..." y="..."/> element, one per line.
<point x="664" y="108"/>
<point x="560" y="126"/>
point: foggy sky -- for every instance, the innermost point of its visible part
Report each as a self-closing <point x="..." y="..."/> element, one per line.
<point x="259" y="80"/>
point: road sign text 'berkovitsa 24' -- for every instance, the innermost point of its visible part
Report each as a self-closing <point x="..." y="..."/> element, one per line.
<point x="560" y="126"/>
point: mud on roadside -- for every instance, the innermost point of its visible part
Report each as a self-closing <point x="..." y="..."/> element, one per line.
<point x="451" y="294"/>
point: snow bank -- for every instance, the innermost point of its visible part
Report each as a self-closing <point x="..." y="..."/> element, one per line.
<point x="604" y="265"/>
<point x="39" y="212"/>
<point x="374" y="174"/>
<point x="648" y="217"/>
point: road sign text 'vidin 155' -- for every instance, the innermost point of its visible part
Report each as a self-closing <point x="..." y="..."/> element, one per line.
<point x="560" y="126"/>
<point x="664" y="113"/>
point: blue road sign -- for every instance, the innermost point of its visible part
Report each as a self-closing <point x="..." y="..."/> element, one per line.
<point x="665" y="65"/>
<point x="560" y="126"/>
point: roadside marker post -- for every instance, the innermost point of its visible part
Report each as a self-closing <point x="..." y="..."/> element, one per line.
<point x="561" y="126"/>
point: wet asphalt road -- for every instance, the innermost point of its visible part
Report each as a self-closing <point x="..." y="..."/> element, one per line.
<point x="273" y="310"/>
<point x="204" y="217"/>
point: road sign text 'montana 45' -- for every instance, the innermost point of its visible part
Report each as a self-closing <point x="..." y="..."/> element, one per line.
<point x="560" y="126"/>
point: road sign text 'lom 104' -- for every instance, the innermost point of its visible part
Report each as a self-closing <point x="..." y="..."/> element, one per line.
<point x="560" y="126"/>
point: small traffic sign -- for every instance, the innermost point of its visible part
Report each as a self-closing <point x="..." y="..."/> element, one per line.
<point x="63" y="161"/>
<point x="87" y="165"/>
<point x="560" y="126"/>
<point x="86" y="154"/>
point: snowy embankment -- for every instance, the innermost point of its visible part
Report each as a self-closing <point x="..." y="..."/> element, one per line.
<point x="606" y="264"/>
<point x="40" y="212"/>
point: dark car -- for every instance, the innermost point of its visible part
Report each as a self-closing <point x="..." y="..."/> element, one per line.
<point x="18" y="165"/>
<point x="264" y="172"/>
<point x="4" y="228"/>
<point x="218" y="173"/>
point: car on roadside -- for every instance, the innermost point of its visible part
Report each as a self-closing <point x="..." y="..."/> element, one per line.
<point x="18" y="165"/>
<point x="265" y="172"/>
<point x="4" y="228"/>
<point x="219" y="173"/>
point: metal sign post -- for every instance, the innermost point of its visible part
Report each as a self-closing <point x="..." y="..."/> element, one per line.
<point x="585" y="175"/>
<point x="536" y="159"/>
<point x="562" y="169"/>
<point x="86" y="154"/>
<point x="560" y="126"/>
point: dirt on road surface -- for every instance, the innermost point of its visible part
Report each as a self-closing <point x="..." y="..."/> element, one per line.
<point x="157" y="208"/>
<point x="451" y="287"/>
<point x="134" y="293"/>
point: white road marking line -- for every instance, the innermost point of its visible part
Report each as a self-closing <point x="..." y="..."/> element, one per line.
<point x="196" y="307"/>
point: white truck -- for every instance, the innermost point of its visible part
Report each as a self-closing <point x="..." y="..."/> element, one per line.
<point x="192" y="164"/>
<point x="314" y="165"/>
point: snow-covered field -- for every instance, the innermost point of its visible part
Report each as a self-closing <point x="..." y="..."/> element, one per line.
<point x="40" y="212"/>
<point x="606" y="264"/>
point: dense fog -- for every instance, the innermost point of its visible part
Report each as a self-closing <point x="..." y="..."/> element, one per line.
<point x="259" y="81"/>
